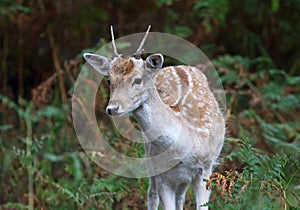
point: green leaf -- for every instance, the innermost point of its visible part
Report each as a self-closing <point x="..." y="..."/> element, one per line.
<point x="160" y="3"/>
<point x="183" y="31"/>
<point x="275" y="5"/>
<point x="5" y="127"/>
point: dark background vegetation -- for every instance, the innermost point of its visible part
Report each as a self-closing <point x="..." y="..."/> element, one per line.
<point x="253" y="44"/>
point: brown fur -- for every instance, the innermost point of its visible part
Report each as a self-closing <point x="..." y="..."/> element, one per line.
<point x="123" y="67"/>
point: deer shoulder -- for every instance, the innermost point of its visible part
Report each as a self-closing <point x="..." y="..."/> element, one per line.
<point x="185" y="90"/>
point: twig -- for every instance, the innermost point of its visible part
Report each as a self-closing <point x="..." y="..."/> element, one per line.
<point x="4" y="62"/>
<point x="30" y="169"/>
<point x="20" y="69"/>
<point x="55" y="57"/>
<point x="56" y="64"/>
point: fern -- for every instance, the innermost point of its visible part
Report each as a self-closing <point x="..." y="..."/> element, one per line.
<point x="263" y="181"/>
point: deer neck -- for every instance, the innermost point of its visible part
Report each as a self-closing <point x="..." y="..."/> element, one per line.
<point x="146" y="112"/>
<point x="155" y="118"/>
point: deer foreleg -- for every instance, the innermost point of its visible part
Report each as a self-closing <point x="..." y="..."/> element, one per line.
<point x="153" y="199"/>
<point x="166" y="197"/>
<point x="201" y="193"/>
<point x="180" y="195"/>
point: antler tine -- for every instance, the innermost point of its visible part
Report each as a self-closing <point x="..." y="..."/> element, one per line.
<point x="113" y="42"/>
<point x="140" y="48"/>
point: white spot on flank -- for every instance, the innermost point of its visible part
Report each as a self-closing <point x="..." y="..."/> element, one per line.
<point x="177" y="113"/>
<point x="178" y="84"/>
<point x="203" y="130"/>
<point x="201" y="104"/>
<point x="190" y="105"/>
<point x="190" y="84"/>
<point x="195" y="119"/>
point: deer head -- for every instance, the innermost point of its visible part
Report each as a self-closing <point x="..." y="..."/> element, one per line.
<point x="130" y="78"/>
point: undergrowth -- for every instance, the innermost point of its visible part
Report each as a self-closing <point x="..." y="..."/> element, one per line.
<point x="43" y="166"/>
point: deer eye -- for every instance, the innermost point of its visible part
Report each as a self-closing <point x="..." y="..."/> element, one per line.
<point x="108" y="81"/>
<point x="137" y="81"/>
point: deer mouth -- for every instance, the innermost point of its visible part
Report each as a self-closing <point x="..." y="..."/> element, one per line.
<point x="116" y="110"/>
<point x="119" y="114"/>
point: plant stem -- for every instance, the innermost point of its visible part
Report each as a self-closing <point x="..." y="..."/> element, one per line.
<point x="30" y="169"/>
<point x="20" y="69"/>
<point x="55" y="57"/>
<point x="57" y="65"/>
<point x="4" y="63"/>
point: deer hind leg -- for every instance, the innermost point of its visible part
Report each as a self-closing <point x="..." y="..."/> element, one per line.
<point x="180" y="195"/>
<point x="201" y="193"/>
<point x="153" y="199"/>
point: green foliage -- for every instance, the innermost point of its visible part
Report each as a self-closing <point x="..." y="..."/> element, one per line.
<point x="62" y="175"/>
<point x="264" y="104"/>
<point x="211" y="10"/>
<point x="7" y="6"/>
<point x="160" y="3"/>
<point x="265" y="182"/>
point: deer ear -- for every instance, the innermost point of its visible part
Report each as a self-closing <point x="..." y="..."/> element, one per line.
<point x="155" y="62"/>
<point x="98" y="62"/>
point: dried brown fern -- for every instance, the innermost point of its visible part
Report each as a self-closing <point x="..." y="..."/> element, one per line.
<point x="40" y="94"/>
<point x="225" y="184"/>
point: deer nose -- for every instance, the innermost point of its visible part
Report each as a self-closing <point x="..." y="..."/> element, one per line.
<point x="112" y="109"/>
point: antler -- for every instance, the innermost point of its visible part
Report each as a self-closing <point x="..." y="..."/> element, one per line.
<point x="140" y="49"/>
<point x="116" y="54"/>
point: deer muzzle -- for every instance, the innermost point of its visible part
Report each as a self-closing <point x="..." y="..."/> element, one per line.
<point x="114" y="108"/>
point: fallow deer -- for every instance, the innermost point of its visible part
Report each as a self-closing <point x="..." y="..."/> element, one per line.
<point x="178" y="99"/>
